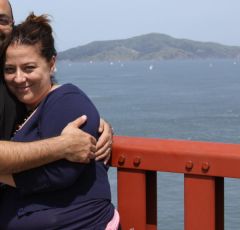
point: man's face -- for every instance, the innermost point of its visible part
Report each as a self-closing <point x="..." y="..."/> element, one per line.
<point x="6" y="21"/>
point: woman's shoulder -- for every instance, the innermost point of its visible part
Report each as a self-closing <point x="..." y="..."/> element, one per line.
<point x="66" y="90"/>
<point x="68" y="95"/>
<point x="66" y="103"/>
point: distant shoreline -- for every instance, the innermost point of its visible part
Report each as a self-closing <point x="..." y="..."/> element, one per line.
<point x="152" y="46"/>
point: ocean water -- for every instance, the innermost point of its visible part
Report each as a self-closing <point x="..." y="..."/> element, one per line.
<point x="193" y="100"/>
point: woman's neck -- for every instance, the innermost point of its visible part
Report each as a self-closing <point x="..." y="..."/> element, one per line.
<point x="32" y="107"/>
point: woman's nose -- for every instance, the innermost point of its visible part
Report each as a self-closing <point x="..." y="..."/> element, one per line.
<point x="19" y="77"/>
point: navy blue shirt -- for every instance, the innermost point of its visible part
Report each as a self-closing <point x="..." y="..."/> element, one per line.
<point x="63" y="194"/>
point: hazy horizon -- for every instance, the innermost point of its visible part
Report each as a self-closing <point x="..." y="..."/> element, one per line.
<point x="81" y="22"/>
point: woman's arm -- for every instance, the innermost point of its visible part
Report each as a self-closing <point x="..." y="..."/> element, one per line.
<point x="83" y="152"/>
<point x="73" y="145"/>
<point x="54" y="117"/>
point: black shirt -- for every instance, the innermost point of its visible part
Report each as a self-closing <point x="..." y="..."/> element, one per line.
<point x="11" y="112"/>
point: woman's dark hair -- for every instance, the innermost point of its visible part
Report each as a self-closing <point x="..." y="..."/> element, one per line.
<point x="35" y="30"/>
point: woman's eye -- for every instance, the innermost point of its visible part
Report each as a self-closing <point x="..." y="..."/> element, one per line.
<point x="29" y="69"/>
<point x="9" y="70"/>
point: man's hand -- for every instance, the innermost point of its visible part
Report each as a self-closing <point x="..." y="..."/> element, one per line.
<point x="104" y="144"/>
<point x="81" y="145"/>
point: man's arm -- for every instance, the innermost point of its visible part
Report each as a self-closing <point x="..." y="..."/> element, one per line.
<point x="79" y="151"/>
<point x="73" y="145"/>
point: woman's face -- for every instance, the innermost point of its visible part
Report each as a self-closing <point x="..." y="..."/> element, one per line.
<point x="28" y="74"/>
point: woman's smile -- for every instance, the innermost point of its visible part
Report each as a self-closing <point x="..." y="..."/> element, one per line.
<point x="23" y="88"/>
<point x="28" y="74"/>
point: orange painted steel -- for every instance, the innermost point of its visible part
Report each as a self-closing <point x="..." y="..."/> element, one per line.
<point x="179" y="156"/>
<point x="203" y="202"/>
<point x="137" y="193"/>
<point x="133" y="199"/>
<point x="204" y="165"/>
<point x="199" y="202"/>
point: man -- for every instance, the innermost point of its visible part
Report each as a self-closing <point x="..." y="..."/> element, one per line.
<point x="73" y="144"/>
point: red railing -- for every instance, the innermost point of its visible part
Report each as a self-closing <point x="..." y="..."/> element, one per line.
<point x="204" y="165"/>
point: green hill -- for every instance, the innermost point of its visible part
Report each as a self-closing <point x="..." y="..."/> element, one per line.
<point x="152" y="46"/>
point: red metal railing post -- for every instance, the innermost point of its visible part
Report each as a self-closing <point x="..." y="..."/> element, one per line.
<point x="200" y="202"/>
<point x="204" y="165"/>
<point x="132" y="199"/>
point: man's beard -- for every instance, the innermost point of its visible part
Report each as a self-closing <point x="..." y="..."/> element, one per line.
<point x="3" y="46"/>
<point x="3" y="42"/>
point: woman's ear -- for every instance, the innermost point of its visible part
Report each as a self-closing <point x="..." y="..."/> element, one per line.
<point x="53" y="65"/>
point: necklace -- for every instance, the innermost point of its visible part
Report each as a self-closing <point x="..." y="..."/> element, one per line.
<point x="31" y="112"/>
<point x="26" y="118"/>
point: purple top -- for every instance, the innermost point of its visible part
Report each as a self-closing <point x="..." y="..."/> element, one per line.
<point x="62" y="193"/>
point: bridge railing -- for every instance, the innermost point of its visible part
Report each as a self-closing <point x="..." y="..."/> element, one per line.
<point x="204" y="165"/>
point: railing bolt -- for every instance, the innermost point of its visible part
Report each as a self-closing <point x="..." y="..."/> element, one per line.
<point x="137" y="161"/>
<point x="189" y="165"/>
<point x="121" y="160"/>
<point x="205" y="166"/>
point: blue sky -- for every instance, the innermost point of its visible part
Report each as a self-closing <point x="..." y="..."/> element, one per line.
<point x="78" y="22"/>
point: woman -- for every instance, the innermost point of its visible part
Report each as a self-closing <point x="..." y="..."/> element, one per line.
<point x="60" y="195"/>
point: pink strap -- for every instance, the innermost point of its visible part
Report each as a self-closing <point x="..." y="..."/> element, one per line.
<point x="114" y="222"/>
